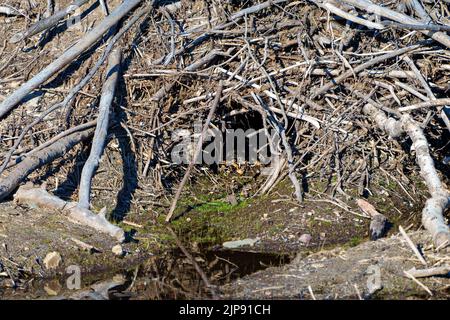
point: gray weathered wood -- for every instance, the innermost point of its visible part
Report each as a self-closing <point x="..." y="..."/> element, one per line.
<point x="67" y="57"/>
<point x="9" y="183"/>
<point x="101" y="130"/>
<point x="47" y="23"/>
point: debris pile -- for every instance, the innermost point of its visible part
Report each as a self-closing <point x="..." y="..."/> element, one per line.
<point x="345" y="86"/>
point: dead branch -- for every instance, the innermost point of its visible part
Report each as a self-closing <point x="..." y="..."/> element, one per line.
<point x="87" y="41"/>
<point x="47" y="23"/>
<point x="101" y="131"/>
<point x="197" y="152"/>
<point x="40" y="198"/>
<point x="9" y="183"/>
<point x="430" y="272"/>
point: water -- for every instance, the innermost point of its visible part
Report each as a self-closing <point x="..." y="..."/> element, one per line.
<point x="168" y="276"/>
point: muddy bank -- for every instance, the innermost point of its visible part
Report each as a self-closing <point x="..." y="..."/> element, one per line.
<point x="208" y="216"/>
<point x="27" y="236"/>
<point x="372" y="270"/>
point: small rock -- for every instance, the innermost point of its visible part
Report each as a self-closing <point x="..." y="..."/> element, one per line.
<point x="239" y="243"/>
<point x="53" y="288"/>
<point x="118" y="250"/>
<point x="378" y="227"/>
<point x="305" y="238"/>
<point x="52" y="260"/>
<point x="231" y="199"/>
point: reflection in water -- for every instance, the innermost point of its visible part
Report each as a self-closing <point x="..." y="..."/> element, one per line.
<point x="170" y="276"/>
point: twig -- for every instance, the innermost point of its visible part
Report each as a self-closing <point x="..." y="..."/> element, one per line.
<point x="101" y="131"/>
<point x="370" y="7"/>
<point x="412" y="245"/>
<point x="426" y="104"/>
<point x="195" y="264"/>
<point x="104" y="7"/>
<point x="197" y="152"/>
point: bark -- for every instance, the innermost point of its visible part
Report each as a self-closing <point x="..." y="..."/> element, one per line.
<point x="40" y="198"/>
<point x="67" y="57"/>
<point x="433" y="212"/>
<point x="101" y="130"/>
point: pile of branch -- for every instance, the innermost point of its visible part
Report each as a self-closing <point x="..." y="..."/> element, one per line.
<point x="348" y="86"/>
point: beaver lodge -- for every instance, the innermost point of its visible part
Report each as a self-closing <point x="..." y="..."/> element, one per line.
<point x="224" y="149"/>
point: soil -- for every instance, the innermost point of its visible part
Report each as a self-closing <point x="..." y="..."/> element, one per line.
<point x="155" y="269"/>
<point x="348" y="274"/>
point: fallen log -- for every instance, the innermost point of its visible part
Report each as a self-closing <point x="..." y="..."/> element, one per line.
<point x="101" y="130"/>
<point x="432" y="214"/>
<point x="67" y="57"/>
<point x="40" y="198"/>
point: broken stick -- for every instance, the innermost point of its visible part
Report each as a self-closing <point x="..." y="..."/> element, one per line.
<point x="67" y="57"/>
<point x="101" y="130"/>
<point x="197" y="152"/>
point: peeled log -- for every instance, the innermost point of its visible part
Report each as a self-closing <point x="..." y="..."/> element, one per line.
<point x="10" y="182"/>
<point x="47" y="22"/>
<point x="40" y="198"/>
<point x="433" y="212"/>
<point x="101" y="130"/>
<point x="67" y="57"/>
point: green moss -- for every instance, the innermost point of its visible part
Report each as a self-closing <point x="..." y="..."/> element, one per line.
<point x="220" y="206"/>
<point x="354" y="241"/>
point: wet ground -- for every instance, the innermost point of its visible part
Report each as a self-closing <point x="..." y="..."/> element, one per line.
<point x="168" y="276"/>
<point x="154" y="268"/>
<point x="372" y="270"/>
